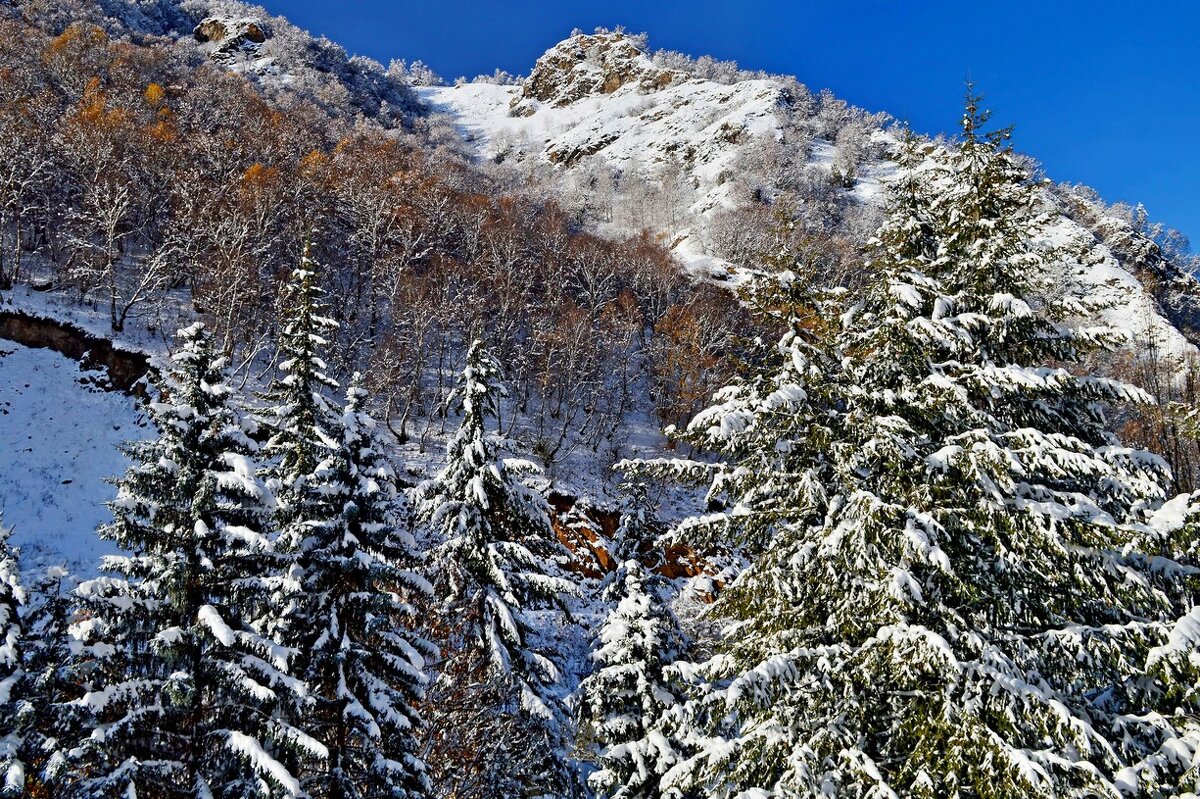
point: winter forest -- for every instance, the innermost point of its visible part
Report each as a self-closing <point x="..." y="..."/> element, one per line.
<point x="643" y="427"/>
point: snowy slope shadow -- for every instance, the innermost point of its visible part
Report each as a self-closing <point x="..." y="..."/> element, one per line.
<point x="59" y="438"/>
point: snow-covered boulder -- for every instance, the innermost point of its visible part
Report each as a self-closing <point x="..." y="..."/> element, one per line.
<point x="225" y="29"/>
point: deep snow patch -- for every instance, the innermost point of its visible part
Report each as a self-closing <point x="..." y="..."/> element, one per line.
<point x="59" y="440"/>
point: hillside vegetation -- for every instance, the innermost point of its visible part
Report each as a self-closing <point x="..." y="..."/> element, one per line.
<point x="641" y="428"/>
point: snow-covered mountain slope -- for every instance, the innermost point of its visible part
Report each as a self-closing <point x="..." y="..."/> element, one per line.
<point x="596" y="95"/>
<point x="692" y="122"/>
<point x="596" y="108"/>
<point x="1098" y="274"/>
<point x="60" y="435"/>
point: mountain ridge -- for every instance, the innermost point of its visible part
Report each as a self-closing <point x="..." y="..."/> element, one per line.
<point x="597" y="105"/>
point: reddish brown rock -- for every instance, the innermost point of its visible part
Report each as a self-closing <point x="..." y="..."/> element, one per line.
<point x="588" y="533"/>
<point x="229" y="33"/>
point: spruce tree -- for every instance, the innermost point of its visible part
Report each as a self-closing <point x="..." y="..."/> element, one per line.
<point x="636" y="526"/>
<point x="497" y="700"/>
<point x="39" y="715"/>
<point x="14" y="710"/>
<point x="187" y="686"/>
<point x="44" y="715"/>
<point x="300" y="420"/>
<point x="772" y="427"/>
<point x="946" y="596"/>
<point x="1175" y="661"/>
<point x="627" y="704"/>
<point x="352" y="621"/>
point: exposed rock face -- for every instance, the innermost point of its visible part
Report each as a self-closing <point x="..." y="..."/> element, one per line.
<point x="569" y="155"/>
<point x="125" y="368"/>
<point x="230" y="35"/>
<point x="599" y="100"/>
<point x="588" y="532"/>
<point x="587" y="65"/>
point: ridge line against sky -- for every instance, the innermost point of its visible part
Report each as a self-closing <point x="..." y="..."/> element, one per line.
<point x="1103" y="93"/>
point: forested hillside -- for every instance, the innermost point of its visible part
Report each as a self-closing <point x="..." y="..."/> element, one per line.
<point x="641" y="427"/>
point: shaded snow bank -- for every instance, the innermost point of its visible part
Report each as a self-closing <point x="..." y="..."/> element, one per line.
<point x="59" y="438"/>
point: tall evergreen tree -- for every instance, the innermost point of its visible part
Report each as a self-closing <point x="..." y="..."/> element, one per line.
<point x="56" y="681"/>
<point x="14" y="710"/>
<point x="946" y="597"/>
<point x="636" y="526"/>
<point x="352" y="621"/>
<point x="497" y="697"/>
<point x="187" y="686"/>
<point x="42" y="717"/>
<point x="625" y="703"/>
<point x="300" y="420"/>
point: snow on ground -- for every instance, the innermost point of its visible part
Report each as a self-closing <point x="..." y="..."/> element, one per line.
<point x="58" y="443"/>
<point x="149" y="332"/>
<point x="696" y="121"/>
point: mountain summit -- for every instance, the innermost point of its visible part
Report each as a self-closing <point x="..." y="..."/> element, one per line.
<point x="586" y="65"/>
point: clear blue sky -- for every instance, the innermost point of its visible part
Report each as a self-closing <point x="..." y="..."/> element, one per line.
<point x="1103" y="92"/>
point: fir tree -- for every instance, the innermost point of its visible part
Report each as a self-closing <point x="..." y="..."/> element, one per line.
<point x="300" y="419"/>
<point x="55" y="683"/>
<point x="1175" y="661"/>
<point x="47" y="718"/>
<point x="775" y="425"/>
<point x="636" y="526"/>
<point x="946" y="597"/>
<point x="352" y="621"/>
<point x="495" y="566"/>
<point x="14" y="710"/>
<point x="187" y="686"/>
<point x="346" y="585"/>
<point x="625" y="704"/>
<point x="39" y="715"/>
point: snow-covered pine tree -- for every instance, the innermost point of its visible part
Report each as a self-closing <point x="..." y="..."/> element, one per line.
<point x="14" y="710"/>
<point x="299" y="424"/>
<point x="40" y="716"/>
<point x="772" y="427"/>
<point x="636" y="525"/>
<point x="54" y="683"/>
<point x="947" y="600"/>
<point x="186" y="687"/>
<point x="498" y="725"/>
<point x="352" y="623"/>
<point x="1175" y="661"/>
<point x="300" y="419"/>
<point x="624" y="705"/>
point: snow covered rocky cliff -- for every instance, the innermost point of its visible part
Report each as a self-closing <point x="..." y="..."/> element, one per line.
<point x="599" y="117"/>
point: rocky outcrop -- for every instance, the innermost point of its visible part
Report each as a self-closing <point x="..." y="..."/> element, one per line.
<point x="588" y="532"/>
<point x="230" y="35"/>
<point x="124" y="368"/>
<point x="587" y="65"/>
<point x="569" y="155"/>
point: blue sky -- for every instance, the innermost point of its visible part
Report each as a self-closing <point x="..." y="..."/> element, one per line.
<point x="1104" y="93"/>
